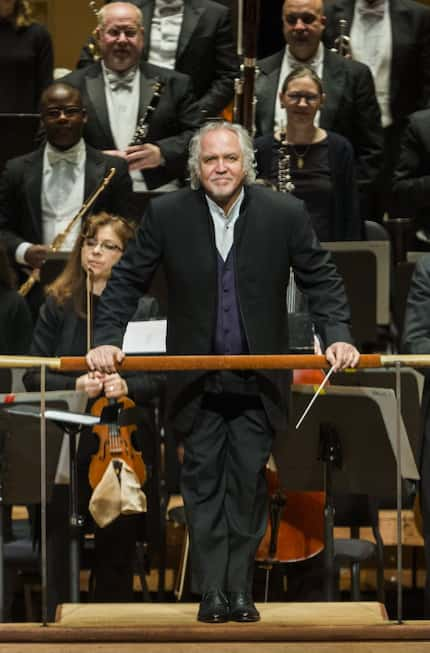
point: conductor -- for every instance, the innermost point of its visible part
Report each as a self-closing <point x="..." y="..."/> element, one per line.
<point x="226" y="246"/>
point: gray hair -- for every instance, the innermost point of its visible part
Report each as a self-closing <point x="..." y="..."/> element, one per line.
<point x="245" y="143"/>
<point x="101" y="14"/>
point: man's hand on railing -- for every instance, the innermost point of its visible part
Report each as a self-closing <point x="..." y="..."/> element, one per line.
<point x="104" y="358"/>
<point x="341" y="355"/>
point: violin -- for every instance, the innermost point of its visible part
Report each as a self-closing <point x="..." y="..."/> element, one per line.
<point x="115" y="441"/>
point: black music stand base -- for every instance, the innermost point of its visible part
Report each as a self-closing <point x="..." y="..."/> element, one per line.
<point x="330" y="455"/>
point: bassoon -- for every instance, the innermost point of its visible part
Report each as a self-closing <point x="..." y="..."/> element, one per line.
<point x="247" y="33"/>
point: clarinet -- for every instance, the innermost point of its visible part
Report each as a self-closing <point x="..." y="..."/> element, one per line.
<point x="144" y="121"/>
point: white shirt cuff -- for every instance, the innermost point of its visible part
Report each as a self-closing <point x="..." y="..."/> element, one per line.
<point x="20" y="253"/>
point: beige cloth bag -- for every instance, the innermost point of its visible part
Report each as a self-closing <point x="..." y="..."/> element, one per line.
<point x="118" y="493"/>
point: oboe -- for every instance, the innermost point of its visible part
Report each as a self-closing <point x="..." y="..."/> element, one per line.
<point x="60" y="239"/>
<point x="285" y="184"/>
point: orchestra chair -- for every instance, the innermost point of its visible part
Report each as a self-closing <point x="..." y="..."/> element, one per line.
<point x="356" y="511"/>
<point x="367" y="264"/>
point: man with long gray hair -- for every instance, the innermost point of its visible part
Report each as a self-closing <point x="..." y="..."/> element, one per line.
<point x="226" y="247"/>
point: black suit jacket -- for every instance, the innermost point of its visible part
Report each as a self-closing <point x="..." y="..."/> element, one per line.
<point x="206" y="51"/>
<point x="273" y="232"/>
<point x="416" y="330"/>
<point x="20" y="194"/>
<point x="411" y="185"/>
<point x="171" y="124"/>
<point x="410" y="64"/>
<point x="351" y="108"/>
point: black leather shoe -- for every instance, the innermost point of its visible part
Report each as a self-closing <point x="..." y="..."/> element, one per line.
<point x="214" y="608"/>
<point x="242" y="607"/>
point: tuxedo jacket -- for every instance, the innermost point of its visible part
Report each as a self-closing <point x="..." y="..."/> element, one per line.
<point x="411" y="184"/>
<point x="171" y="124"/>
<point x="21" y="191"/>
<point x="272" y="233"/>
<point x="350" y="108"/>
<point x="416" y="329"/>
<point x="206" y="51"/>
<point x="410" y="64"/>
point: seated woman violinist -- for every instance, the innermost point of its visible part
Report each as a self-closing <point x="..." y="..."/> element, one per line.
<point x="61" y="331"/>
<point x="316" y="165"/>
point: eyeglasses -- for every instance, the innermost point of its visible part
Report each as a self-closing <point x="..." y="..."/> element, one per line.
<point x="309" y="98"/>
<point x="306" y="18"/>
<point x="56" y="112"/>
<point x="104" y="245"/>
<point x="129" y="32"/>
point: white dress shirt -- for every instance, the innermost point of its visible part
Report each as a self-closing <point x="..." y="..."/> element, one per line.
<point x="224" y="224"/>
<point x="371" y="43"/>
<point x="165" y="29"/>
<point x="123" y="106"/>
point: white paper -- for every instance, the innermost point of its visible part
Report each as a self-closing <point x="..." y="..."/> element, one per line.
<point x="148" y="337"/>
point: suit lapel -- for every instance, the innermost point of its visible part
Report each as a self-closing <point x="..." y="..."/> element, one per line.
<point x="267" y="87"/>
<point x="33" y="190"/>
<point x="192" y="14"/>
<point x="97" y="97"/>
<point x="94" y="172"/>
<point x="146" y="92"/>
<point x="400" y="31"/>
<point x="333" y="82"/>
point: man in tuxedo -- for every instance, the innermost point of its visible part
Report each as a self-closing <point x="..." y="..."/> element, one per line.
<point x="411" y="182"/>
<point x="416" y="340"/>
<point x="226" y="246"/>
<point x="40" y="192"/>
<point x="193" y="37"/>
<point x="392" y="37"/>
<point x="117" y="92"/>
<point x="350" y="107"/>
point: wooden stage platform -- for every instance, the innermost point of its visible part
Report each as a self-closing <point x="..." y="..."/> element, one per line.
<point x="172" y="627"/>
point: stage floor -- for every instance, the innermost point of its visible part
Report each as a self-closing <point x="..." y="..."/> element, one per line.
<point x="172" y="627"/>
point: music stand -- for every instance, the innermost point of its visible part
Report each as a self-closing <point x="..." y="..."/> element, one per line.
<point x="330" y="451"/>
<point x="21" y="413"/>
<point x="412" y="383"/>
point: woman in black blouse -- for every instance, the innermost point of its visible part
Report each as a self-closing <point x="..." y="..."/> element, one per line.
<point x="318" y="166"/>
<point x="61" y="330"/>
<point x="26" y="58"/>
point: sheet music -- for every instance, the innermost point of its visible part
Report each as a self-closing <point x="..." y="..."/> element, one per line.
<point x="147" y="337"/>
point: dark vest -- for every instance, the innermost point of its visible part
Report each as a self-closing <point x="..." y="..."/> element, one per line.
<point x="229" y="333"/>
